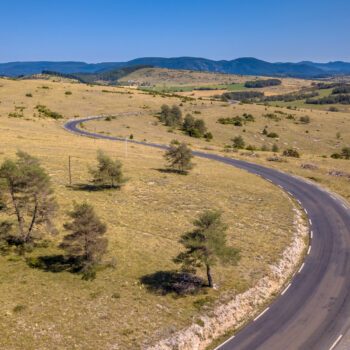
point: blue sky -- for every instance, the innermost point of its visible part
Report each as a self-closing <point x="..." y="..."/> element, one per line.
<point x="107" y="30"/>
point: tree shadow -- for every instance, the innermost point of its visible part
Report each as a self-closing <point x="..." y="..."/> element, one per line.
<point x="166" y="282"/>
<point x="172" y="171"/>
<point x="56" y="263"/>
<point x="92" y="188"/>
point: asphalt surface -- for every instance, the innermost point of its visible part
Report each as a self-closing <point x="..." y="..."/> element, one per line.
<point x="312" y="313"/>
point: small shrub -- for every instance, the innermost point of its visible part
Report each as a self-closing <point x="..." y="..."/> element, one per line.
<point x="250" y="148"/>
<point x="238" y="142"/>
<point x="272" y="116"/>
<point x="116" y="296"/>
<point x="275" y="148"/>
<point x="68" y="93"/>
<point x="89" y="275"/>
<point x="336" y="156"/>
<point x="305" y="119"/>
<point x="194" y="133"/>
<point x="273" y="135"/>
<point x="19" y="308"/>
<point x="108" y="119"/>
<point x="200" y="322"/>
<point x="291" y="152"/>
<point x="35" y="263"/>
<point x="208" y="136"/>
<point x="265" y="148"/>
<point x="131" y="137"/>
<point x="345" y="152"/>
<point x="313" y="178"/>
<point x="29" y="95"/>
<point x="275" y="159"/>
<point x="248" y="117"/>
<point x="199" y="303"/>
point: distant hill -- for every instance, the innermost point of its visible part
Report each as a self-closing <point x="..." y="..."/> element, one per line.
<point x="244" y="66"/>
<point x="109" y="77"/>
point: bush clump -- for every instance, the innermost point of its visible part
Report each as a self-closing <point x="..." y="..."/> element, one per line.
<point x="291" y="152"/>
<point x="273" y="135"/>
<point x="238" y="142"/>
<point x="46" y="112"/>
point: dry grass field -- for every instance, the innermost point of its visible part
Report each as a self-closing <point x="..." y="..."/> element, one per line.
<point x="325" y="134"/>
<point x="169" y="77"/>
<point x="57" y="310"/>
<point x="163" y="77"/>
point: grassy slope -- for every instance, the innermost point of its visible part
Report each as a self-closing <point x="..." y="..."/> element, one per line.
<point x="302" y="104"/>
<point x="145" y="220"/>
<point x="313" y="140"/>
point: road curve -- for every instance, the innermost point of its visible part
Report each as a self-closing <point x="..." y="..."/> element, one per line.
<point x="313" y="312"/>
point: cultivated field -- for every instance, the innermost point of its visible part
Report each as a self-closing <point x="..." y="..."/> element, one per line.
<point x="42" y="309"/>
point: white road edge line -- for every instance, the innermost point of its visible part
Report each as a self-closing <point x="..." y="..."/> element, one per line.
<point x="336" y="342"/>
<point x="308" y="251"/>
<point x="344" y="206"/>
<point x="257" y="317"/>
<point x="310" y="221"/>
<point x="285" y="289"/>
<point x="311" y="234"/>
<point x="305" y="211"/>
<point x="218" y="347"/>
<point x="301" y="267"/>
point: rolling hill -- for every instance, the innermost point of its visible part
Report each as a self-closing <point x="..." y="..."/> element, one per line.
<point x="244" y="66"/>
<point x="109" y="77"/>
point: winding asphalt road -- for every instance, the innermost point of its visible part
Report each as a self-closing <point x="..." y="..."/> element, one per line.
<point x="312" y="313"/>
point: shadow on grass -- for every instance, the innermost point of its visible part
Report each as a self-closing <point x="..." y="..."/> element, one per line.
<point x="172" y="171"/>
<point x="56" y="263"/>
<point x="92" y="188"/>
<point x="166" y="282"/>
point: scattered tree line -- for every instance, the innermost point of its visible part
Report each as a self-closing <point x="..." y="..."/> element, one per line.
<point x="290" y="97"/>
<point x="193" y="127"/>
<point x="243" y="95"/>
<point x="46" y="112"/>
<point x="323" y="86"/>
<point x="343" y="89"/>
<point x="262" y="83"/>
<point x="338" y="98"/>
<point x="237" y="120"/>
<point x="26" y="194"/>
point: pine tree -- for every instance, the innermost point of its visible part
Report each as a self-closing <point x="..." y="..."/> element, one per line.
<point x="188" y="123"/>
<point x="108" y="173"/>
<point x="179" y="157"/>
<point x="206" y="245"/>
<point x="86" y="240"/>
<point x="345" y="152"/>
<point x="26" y="193"/>
<point x="164" y="114"/>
